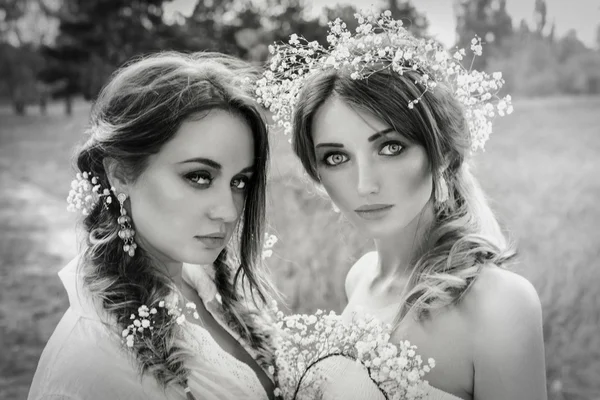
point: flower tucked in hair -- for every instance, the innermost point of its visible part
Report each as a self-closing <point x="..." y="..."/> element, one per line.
<point x="143" y="324"/>
<point x="85" y="193"/>
<point x="381" y="43"/>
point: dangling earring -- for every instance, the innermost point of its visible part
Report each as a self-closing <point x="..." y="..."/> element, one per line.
<point x="441" y="190"/>
<point x="126" y="233"/>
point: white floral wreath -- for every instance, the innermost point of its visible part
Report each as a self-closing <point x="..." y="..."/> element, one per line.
<point x="306" y="340"/>
<point x="366" y="53"/>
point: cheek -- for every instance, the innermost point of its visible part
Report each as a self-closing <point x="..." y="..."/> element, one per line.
<point x="412" y="183"/>
<point x="338" y="186"/>
<point x="160" y="205"/>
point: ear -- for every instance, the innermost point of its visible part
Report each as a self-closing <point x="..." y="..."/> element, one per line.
<point x="116" y="175"/>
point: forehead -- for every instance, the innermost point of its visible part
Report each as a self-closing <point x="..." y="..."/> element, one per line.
<point x="336" y="121"/>
<point x="218" y="135"/>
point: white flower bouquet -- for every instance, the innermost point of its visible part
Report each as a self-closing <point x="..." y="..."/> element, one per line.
<point x="308" y="340"/>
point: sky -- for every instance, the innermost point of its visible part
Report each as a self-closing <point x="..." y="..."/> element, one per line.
<point x="583" y="16"/>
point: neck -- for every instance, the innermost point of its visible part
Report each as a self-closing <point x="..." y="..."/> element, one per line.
<point x="397" y="252"/>
<point x="174" y="270"/>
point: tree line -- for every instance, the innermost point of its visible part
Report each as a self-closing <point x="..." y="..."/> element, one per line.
<point x="67" y="48"/>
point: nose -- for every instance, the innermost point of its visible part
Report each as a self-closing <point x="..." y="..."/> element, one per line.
<point x="368" y="180"/>
<point x="224" y="209"/>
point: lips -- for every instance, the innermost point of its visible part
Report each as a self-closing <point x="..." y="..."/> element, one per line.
<point x="373" y="208"/>
<point x="212" y="240"/>
<point x="373" y="212"/>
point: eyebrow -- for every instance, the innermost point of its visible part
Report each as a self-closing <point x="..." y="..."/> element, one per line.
<point x="380" y="134"/>
<point x="372" y="138"/>
<point x="213" y="164"/>
<point x="329" y="145"/>
<point x="206" y="161"/>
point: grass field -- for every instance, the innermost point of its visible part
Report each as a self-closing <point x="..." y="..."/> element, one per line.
<point x="539" y="171"/>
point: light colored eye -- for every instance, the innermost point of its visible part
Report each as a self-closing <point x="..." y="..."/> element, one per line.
<point x="391" y="149"/>
<point x="336" y="159"/>
<point x="239" y="183"/>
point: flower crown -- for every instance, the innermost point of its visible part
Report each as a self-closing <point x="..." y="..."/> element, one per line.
<point x="381" y="43"/>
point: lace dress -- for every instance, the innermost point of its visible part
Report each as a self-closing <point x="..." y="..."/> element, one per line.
<point x="208" y="350"/>
<point x="85" y="359"/>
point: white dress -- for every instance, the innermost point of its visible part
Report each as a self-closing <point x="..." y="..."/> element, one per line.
<point x="85" y="358"/>
<point x="348" y="380"/>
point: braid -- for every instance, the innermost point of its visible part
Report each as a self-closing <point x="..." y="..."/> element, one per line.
<point x="140" y="110"/>
<point x="124" y="284"/>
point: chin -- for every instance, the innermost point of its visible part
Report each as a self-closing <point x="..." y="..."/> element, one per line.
<point x="382" y="229"/>
<point x="201" y="257"/>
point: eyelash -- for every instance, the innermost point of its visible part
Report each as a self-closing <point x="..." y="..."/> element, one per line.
<point x="194" y="177"/>
<point x="393" y="143"/>
<point x="386" y="144"/>
<point x="328" y="155"/>
<point x="243" y="179"/>
<point x="200" y="176"/>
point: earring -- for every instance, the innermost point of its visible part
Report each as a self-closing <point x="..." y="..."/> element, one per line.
<point x="126" y="233"/>
<point x="441" y="190"/>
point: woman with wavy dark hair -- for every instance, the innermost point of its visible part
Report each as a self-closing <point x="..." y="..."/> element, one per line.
<point x="164" y="297"/>
<point x="386" y="123"/>
<point x="438" y="271"/>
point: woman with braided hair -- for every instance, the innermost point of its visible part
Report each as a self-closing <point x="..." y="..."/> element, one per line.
<point x="172" y="185"/>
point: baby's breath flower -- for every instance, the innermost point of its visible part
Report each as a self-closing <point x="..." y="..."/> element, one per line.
<point x="308" y="339"/>
<point x="293" y="63"/>
<point x="85" y="193"/>
<point x="143" y="323"/>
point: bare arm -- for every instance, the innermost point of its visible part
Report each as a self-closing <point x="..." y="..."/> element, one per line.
<point x="509" y="358"/>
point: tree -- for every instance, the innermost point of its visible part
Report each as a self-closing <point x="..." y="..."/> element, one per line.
<point x="569" y="46"/>
<point x="539" y="15"/>
<point x="206" y="29"/>
<point x="530" y="67"/>
<point x="291" y="16"/>
<point x="552" y="33"/>
<point x="97" y="36"/>
<point x="26" y="22"/>
<point x="487" y="19"/>
<point x="24" y="27"/>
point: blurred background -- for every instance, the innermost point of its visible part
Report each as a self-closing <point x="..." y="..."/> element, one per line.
<point x="539" y="168"/>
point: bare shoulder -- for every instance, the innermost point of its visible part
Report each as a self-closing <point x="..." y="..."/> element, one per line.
<point x="505" y="317"/>
<point x="364" y="263"/>
<point x="499" y="296"/>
